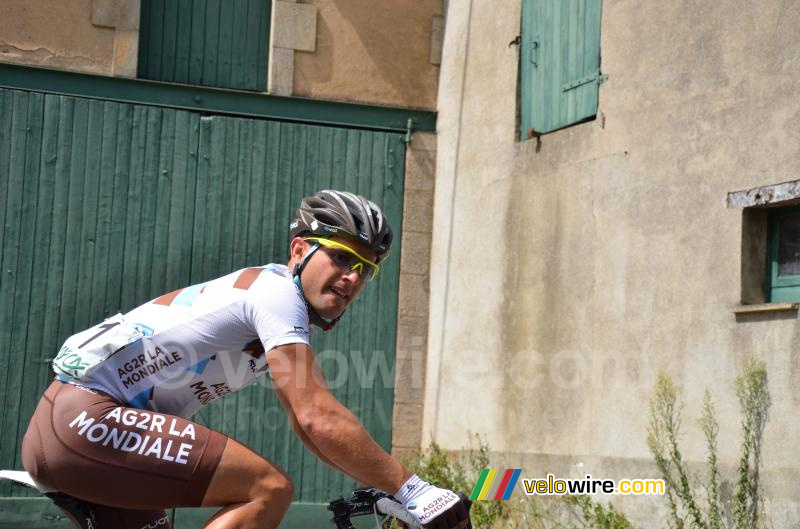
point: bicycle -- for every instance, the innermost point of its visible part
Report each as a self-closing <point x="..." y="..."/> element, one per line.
<point x="364" y="502"/>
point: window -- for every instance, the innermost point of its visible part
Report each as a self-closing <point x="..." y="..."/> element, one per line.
<point x="783" y="255"/>
<point x="559" y="64"/>
<point x="206" y="42"/>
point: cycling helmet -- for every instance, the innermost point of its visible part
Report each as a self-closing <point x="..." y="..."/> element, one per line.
<point x="328" y="213"/>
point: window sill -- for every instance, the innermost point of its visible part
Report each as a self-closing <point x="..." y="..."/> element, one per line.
<point x="766" y="307"/>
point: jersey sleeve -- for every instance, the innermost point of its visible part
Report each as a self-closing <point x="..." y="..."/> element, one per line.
<point x="278" y="313"/>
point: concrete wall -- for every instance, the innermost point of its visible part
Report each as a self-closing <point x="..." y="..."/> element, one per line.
<point x="566" y="273"/>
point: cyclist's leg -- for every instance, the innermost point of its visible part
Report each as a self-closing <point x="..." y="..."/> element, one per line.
<point x="86" y="445"/>
<point x="252" y="491"/>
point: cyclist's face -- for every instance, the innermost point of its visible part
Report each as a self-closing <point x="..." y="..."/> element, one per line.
<point x="329" y="286"/>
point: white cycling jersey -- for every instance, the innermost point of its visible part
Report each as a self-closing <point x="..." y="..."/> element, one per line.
<point x="191" y="346"/>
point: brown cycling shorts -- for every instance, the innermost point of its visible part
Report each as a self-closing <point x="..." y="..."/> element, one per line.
<point x="86" y="444"/>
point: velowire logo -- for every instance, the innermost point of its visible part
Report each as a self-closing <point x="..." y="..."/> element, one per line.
<point x="495" y="484"/>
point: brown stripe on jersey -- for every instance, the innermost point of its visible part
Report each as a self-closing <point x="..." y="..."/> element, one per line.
<point x="254" y="348"/>
<point x="166" y="299"/>
<point x="247" y="278"/>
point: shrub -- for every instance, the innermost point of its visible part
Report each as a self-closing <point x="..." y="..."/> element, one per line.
<point x="745" y="509"/>
<point x="461" y="472"/>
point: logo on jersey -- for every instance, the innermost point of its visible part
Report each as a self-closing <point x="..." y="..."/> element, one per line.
<point x="142" y="366"/>
<point x="255" y="349"/>
<point x="206" y="394"/>
<point x="116" y="431"/>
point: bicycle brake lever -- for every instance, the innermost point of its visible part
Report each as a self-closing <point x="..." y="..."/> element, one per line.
<point x="361" y="504"/>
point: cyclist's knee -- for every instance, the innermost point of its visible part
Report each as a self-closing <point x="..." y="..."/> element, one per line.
<point x="274" y="487"/>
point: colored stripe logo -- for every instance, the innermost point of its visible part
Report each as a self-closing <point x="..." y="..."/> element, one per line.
<point x="495" y="484"/>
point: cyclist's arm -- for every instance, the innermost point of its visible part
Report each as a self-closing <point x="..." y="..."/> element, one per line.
<point x="298" y="431"/>
<point x="331" y="428"/>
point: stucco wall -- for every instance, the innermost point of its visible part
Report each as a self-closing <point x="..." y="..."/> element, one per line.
<point x="372" y="54"/>
<point x="611" y="240"/>
<point x="55" y="34"/>
<point x="92" y="36"/>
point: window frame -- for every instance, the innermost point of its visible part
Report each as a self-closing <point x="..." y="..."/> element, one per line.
<point x="779" y="289"/>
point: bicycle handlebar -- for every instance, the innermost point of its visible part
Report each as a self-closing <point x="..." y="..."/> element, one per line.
<point x="394" y="509"/>
<point x="369" y="501"/>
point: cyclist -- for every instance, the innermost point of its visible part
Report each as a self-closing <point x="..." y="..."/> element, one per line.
<point x="113" y="429"/>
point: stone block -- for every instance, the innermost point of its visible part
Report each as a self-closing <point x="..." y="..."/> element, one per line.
<point x="120" y="14"/>
<point x="420" y="170"/>
<point x="415" y="255"/>
<point x="406" y="456"/>
<point x="280" y="80"/>
<point x="413" y="295"/>
<point x="418" y="211"/>
<point x="294" y="26"/>
<point x="412" y="390"/>
<point x="407" y="425"/>
<point x="423" y="141"/>
<point x="410" y="376"/>
<point x="412" y="333"/>
<point x="126" y="53"/>
<point x="104" y="13"/>
<point x="129" y="15"/>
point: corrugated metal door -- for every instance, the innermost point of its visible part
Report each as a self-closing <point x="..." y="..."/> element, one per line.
<point x="107" y="205"/>
<point x="222" y="43"/>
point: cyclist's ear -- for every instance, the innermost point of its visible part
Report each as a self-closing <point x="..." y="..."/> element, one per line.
<point x="297" y="249"/>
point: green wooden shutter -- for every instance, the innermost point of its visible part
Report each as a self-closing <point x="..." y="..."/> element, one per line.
<point x="107" y="205"/>
<point x="559" y="63"/>
<point x="222" y="43"/>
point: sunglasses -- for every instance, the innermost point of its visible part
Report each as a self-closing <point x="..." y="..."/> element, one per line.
<point x="348" y="259"/>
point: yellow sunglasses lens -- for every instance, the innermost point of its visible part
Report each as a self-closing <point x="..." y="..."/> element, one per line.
<point x="351" y="260"/>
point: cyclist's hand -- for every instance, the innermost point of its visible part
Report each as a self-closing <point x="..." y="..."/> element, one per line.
<point x="432" y="507"/>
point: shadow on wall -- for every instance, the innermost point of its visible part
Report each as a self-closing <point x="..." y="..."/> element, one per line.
<point x="397" y="50"/>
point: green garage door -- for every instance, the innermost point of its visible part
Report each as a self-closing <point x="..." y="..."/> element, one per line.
<point x="106" y="205"/>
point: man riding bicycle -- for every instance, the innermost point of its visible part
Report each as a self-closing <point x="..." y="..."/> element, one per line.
<point x="113" y="429"/>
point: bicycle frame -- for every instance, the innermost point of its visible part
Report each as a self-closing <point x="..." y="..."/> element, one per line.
<point x="364" y="502"/>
